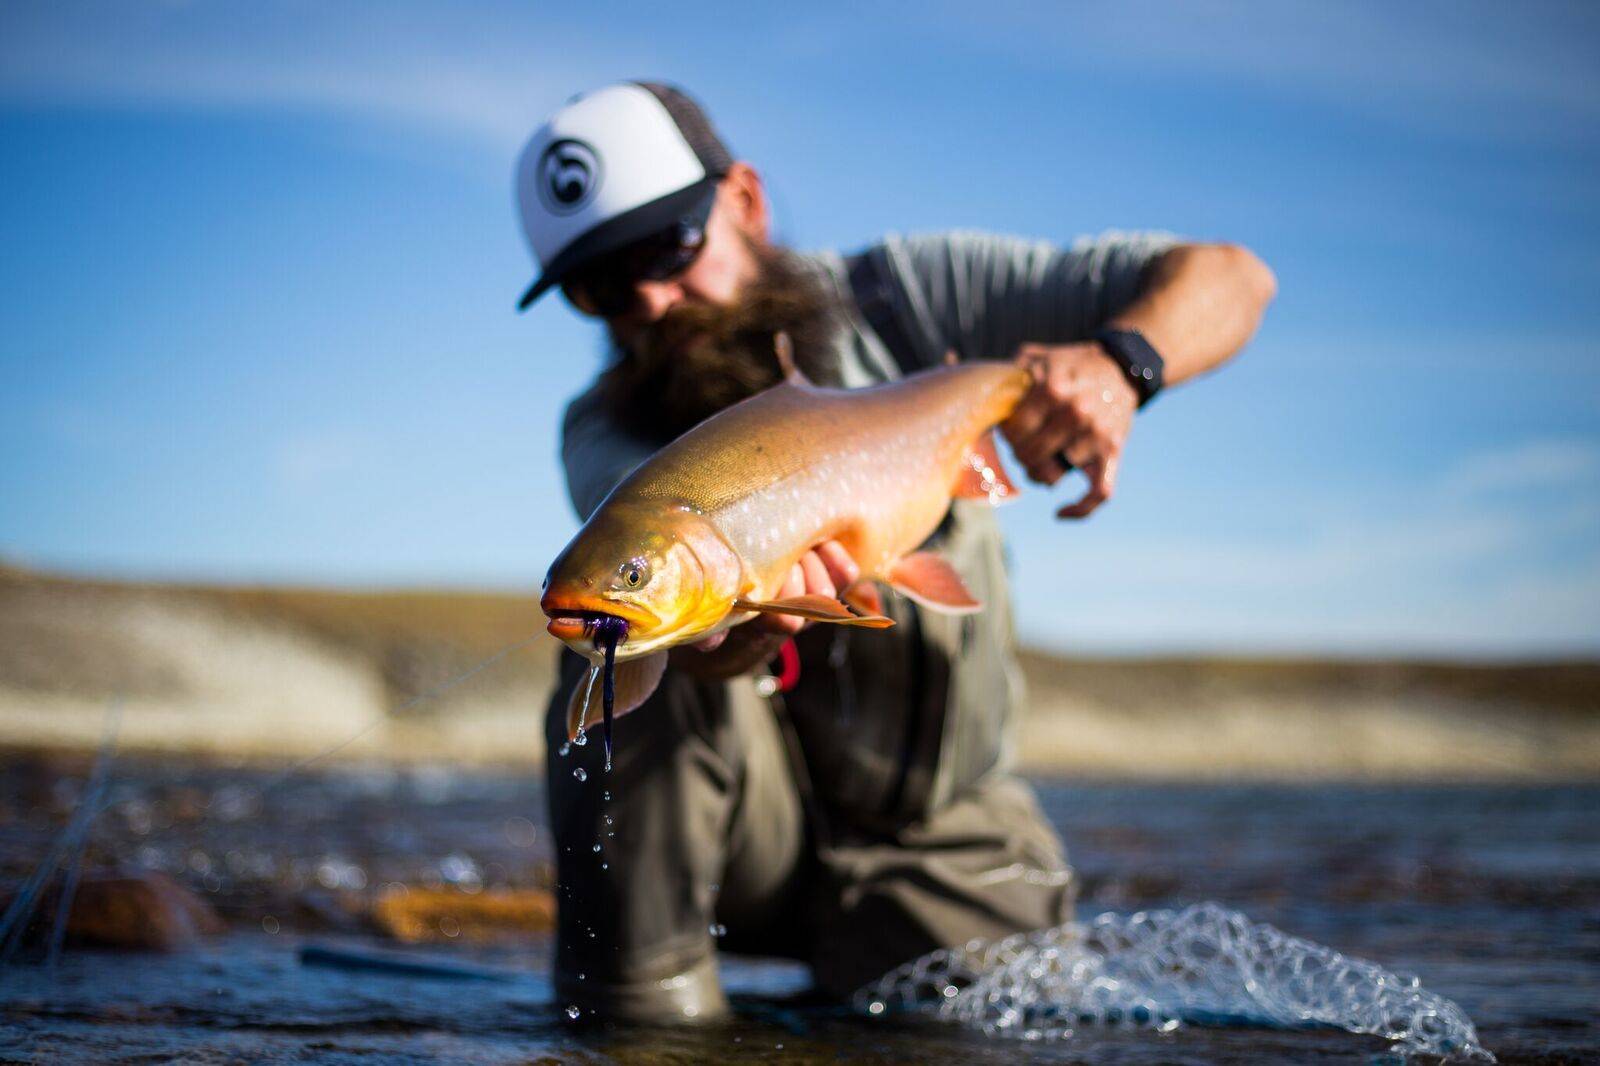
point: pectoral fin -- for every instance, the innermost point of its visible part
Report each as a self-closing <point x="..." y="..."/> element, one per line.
<point x="635" y="680"/>
<point x="863" y="597"/>
<point x="982" y="476"/>
<point x="931" y="581"/>
<point x="816" y="608"/>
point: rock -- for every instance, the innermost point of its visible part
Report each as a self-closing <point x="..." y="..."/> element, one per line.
<point x="415" y="915"/>
<point x="141" y="910"/>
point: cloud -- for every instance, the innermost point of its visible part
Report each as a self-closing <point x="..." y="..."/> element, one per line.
<point x="317" y="458"/>
<point x="1452" y="566"/>
<point x="1465" y="60"/>
<point x="458" y="71"/>
<point x="1533" y="465"/>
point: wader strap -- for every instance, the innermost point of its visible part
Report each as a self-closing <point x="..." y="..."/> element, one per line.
<point x="816" y="819"/>
<point x="870" y="286"/>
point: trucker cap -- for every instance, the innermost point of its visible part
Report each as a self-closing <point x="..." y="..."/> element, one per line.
<point x="611" y="167"/>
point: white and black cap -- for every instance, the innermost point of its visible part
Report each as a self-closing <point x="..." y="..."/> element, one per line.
<point x="611" y="167"/>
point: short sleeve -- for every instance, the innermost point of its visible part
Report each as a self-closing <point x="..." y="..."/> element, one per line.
<point x="987" y="294"/>
<point x="596" y="451"/>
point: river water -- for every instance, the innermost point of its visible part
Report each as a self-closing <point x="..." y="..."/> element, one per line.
<point x="1491" y="895"/>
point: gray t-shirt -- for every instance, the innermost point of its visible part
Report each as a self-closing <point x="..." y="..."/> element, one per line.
<point x="981" y="294"/>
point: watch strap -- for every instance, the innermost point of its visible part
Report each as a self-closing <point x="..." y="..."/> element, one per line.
<point x="1139" y="360"/>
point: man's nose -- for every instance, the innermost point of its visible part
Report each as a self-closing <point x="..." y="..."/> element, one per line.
<point x="655" y="298"/>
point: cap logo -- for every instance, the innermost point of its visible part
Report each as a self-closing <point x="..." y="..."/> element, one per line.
<point x="569" y="173"/>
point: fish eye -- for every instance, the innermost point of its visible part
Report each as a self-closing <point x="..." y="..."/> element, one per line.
<point x="633" y="574"/>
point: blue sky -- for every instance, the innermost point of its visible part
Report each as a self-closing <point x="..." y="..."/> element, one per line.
<point x="256" y="306"/>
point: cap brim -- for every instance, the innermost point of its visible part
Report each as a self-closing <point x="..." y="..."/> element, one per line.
<point x="644" y="220"/>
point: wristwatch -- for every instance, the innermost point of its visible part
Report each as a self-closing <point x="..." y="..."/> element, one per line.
<point x="1139" y="360"/>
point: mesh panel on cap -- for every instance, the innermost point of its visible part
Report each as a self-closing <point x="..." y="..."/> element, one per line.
<point x="694" y="125"/>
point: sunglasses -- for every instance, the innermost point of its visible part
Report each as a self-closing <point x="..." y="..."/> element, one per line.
<point x="605" y="285"/>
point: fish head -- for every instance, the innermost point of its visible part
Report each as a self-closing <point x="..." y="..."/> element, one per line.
<point x="654" y="576"/>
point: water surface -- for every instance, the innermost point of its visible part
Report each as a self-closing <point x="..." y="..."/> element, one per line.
<point x="1490" y="894"/>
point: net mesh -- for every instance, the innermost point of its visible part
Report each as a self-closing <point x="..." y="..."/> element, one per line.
<point x="1204" y="964"/>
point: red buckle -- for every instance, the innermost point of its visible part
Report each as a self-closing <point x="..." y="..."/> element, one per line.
<point x="789" y="668"/>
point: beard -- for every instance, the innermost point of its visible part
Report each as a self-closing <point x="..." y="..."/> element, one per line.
<point x="681" y="369"/>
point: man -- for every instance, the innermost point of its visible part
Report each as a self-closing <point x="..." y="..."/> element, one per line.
<point x="867" y="814"/>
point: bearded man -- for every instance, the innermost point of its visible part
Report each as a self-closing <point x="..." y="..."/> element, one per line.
<point x="867" y="813"/>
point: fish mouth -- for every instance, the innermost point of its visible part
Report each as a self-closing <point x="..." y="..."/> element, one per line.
<point x="576" y="623"/>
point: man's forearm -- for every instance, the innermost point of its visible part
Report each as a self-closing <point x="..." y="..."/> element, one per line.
<point x="1200" y="305"/>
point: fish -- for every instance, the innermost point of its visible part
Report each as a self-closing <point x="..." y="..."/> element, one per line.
<point x="701" y="536"/>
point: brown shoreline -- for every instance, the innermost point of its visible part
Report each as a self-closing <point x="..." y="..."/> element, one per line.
<point x="273" y="673"/>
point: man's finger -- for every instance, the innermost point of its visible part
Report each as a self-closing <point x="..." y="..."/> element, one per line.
<point x="1029" y="357"/>
<point x="841" y="568"/>
<point x="711" y="643"/>
<point x="788" y="624"/>
<point x="1062" y="436"/>
<point x="1025" y="421"/>
<point x="1102" y="475"/>
<point x="1044" y="460"/>
<point x="818" y="583"/>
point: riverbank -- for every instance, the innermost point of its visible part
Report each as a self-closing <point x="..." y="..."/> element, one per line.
<point x="263" y="674"/>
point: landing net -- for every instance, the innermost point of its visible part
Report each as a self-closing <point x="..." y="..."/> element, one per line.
<point x="1204" y="965"/>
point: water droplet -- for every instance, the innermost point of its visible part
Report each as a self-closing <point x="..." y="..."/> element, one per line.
<point x="581" y="774"/>
<point x="597" y="849"/>
<point x="603" y="866"/>
<point x="607" y="795"/>
<point x="581" y="739"/>
<point x="719" y="930"/>
<point x="608" y="819"/>
<point x="573" y="1012"/>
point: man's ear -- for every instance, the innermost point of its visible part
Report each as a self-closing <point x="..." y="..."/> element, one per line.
<point x="746" y="201"/>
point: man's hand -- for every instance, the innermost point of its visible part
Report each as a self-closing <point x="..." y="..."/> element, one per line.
<point x="1081" y="405"/>
<point x="826" y="570"/>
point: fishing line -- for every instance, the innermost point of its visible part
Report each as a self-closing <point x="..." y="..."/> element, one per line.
<point x="421" y="697"/>
<point x="72" y="839"/>
<point x="94" y="803"/>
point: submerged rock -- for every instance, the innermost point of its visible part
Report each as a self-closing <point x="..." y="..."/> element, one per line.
<point x="141" y="910"/>
<point x="417" y="915"/>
